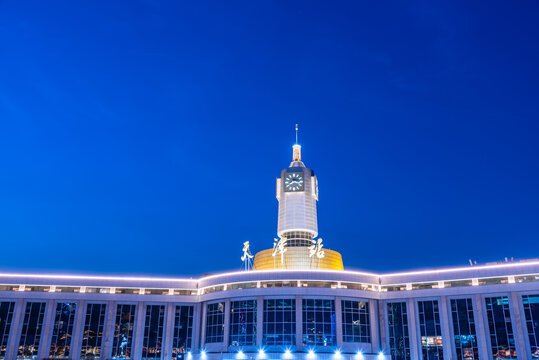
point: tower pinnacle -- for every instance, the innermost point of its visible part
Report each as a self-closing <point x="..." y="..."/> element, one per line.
<point x="296" y="154"/>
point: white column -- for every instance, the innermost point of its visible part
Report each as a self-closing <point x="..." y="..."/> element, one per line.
<point x="518" y="326"/>
<point x="108" y="330"/>
<point x="299" y="322"/>
<point x="168" y="333"/>
<point x="373" y="312"/>
<point x="203" y="325"/>
<point x="259" y="320"/>
<point x="382" y="324"/>
<point x="338" y="321"/>
<point x="446" y="331"/>
<point x="46" y="330"/>
<point x="138" y="334"/>
<point x="16" y="328"/>
<point x="78" y="327"/>
<point x="480" y="328"/>
<point x="226" y="331"/>
<point x="197" y="323"/>
<point x="415" y="345"/>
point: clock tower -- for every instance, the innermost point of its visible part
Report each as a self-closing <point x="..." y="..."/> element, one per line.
<point x="297" y="192"/>
<point x="297" y="224"/>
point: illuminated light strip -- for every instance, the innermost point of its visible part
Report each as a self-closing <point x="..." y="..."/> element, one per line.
<point x="288" y="271"/>
<point x="84" y="277"/>
<point x="253" y="273"/>
<point x="464" y="279"/>
<point x="284" y="287"/>
<point x="467" y="268"/>
<point x="434" y="271"/>
<point x="379" y="288"/>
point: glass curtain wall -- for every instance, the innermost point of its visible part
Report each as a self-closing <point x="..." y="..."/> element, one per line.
<point x="6" y="318"/>
<point x="153" y="332"/>
<point x="62" y="332"/>
<point x="355" y="321"/>
<point x="183" y="330"/>
<point x="399" y="338"/>
<point x="319" y="322"/>
<point x="123" y="331"/>
<point x="502" y="340"/>
<point x="31" y="330"/>
<point x="279" y="322"/>
<point x="92" y="336"/>
<point x="215" y="322"/>
<point x="531" y="312"/>
<point x="431" y="331"/>
<point x="243" y="323"/>
<point x="464" y="329"/>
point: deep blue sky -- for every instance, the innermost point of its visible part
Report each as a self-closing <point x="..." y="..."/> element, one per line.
<point x="145" y="137"/>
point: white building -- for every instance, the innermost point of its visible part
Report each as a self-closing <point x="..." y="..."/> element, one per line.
<point x="296" y="310"/>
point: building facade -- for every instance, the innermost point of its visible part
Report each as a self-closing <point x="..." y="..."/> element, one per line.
<point x="475" y="312"/>
<point x="297" y="304"/>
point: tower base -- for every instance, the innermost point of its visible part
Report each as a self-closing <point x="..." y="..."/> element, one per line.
<point x="297" y="258"/>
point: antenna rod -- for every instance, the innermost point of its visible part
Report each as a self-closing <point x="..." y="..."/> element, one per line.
<point x="296" y="134"/>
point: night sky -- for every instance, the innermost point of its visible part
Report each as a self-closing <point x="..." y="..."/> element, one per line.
<point x="144" y="137"/>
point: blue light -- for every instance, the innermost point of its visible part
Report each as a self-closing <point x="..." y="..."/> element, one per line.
<point x="189" y="355"/>
<point x="287" y="353"/>
<point x="359" y="355"/>
<point x="203" y="354"/>
<point x="381" y="355"/>
<point x="261" y="352"/>
<point x="311" y="354"/>
<point x="337" y="353"/>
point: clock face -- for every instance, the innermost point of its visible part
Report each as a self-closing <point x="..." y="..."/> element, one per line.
<point x="293" y="181"/>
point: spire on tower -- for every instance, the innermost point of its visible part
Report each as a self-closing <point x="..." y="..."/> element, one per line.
<point x="296" y="154"/>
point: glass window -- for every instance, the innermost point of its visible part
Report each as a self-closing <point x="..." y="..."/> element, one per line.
<point x="93" y="331"/>
<point x="37" y="288"/>
<point x="457" y="283"/>
<point x="239" y="286"/>
<point x="356" y="286"/>
<point x="62" y="331"/>
<point x="215" y="320"/>
<point x="123" y="331"/>
<point x="401" y="287"/>
<point x="273" y="284"/>
<point x="153" y="332"/>
<point x="420" y="286"/>
<point x="399" y="339"/>
<point x="211" y="289"/>
<point x="431" y="332"/>
<point x="184" y="292"/>
<point x="243" y="323"/>
<point x="500" y="328"/>
<point x="355" y="321"/>
<point x="183" y="330"/>
<point x="527" y="278"/>
<point x="298" y="238"/>
<point x="155" y="291"/>
<point x="9" y="287"/>
<point x="67" y="289"/>
<point x="319" y="322"/>
<point x="6" y="317"/>
<point x="464" y="329"/>
<point x="321" y="284"/>
<point x="493" y="281"/>
<point x="279" y="322"/>
<point x="531" y="311"/>
<point x="31" y="330"/>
